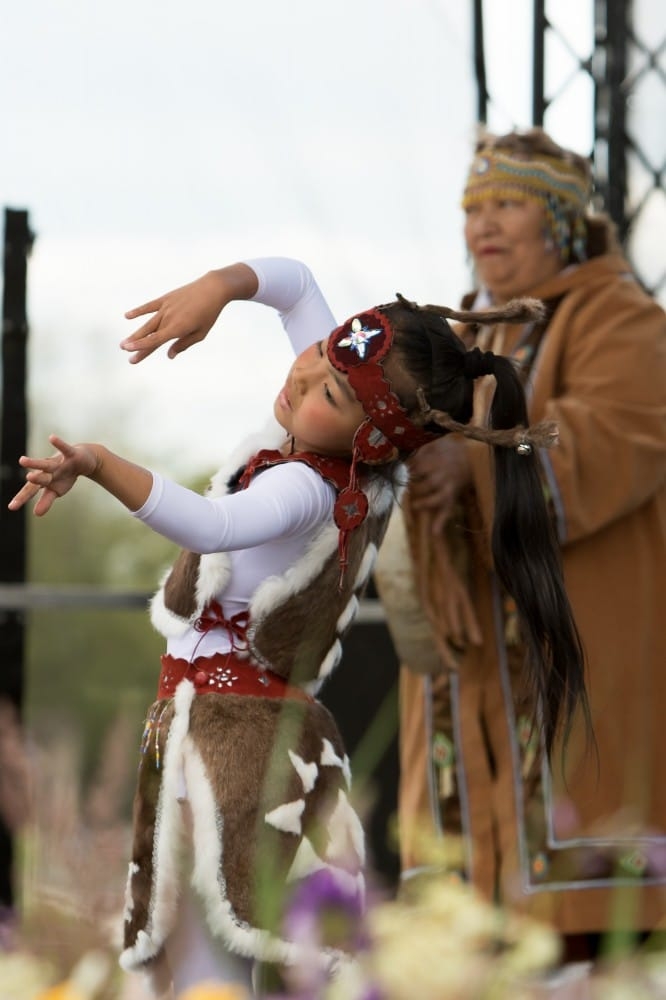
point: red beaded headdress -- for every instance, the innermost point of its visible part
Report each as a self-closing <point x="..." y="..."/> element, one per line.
<point x="358" y="349"/>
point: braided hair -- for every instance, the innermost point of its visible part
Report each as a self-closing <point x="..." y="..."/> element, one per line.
<point x="525" y="550"/>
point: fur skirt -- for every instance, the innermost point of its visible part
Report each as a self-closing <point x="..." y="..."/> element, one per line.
<point x="267" y="781"/>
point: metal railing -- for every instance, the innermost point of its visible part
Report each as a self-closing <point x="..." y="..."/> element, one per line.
<point x="22" y="597"/>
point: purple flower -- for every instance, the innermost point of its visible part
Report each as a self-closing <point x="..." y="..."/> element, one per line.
<point x="326" y="912"/>
<point x="8" y="929"/>
<point x="324" y="916"/>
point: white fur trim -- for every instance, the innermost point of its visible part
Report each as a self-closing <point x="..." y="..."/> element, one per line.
<point x="346" y="770"/>
<point x="182" y="702"/>
<point x="344" y="828"/>
<point x="128" y="910"/>
<point x="213" y="576"/>
<point x="329" y="757"/>
<point x="277" y="589"/>
<point x="400" y="482"/>
<point x="306" y="861"/>
<point x="168" y="827"/>
<point x="208" y="841"/>
<point x="287" y="817"/>
<point x="163" y="620"/>
<point x="331" y="660"/>
<point x="169" y="817"/>
<point x="312" y="687"/>
<point x="367" y="562"/>
<point x="272" y="435"/>
<point x="348" y="614"/>
<point x="306" y="772"/>
<point x="131" y="959"/>
<point x="380" y="494"/>
<point x="214" y="567"/>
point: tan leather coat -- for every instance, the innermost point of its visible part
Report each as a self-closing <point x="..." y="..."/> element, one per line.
<point x="587" y="850"/>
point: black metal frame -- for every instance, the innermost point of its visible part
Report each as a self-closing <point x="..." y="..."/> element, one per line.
<point x="13" y="436"/>
<point x="616" y="143"/>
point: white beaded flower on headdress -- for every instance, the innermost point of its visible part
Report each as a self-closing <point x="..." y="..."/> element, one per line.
<point x="358" y="338"/>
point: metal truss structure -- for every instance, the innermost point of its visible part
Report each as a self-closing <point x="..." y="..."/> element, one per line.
<point x="626" y="67"/>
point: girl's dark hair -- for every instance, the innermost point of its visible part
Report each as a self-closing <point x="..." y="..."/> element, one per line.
<point x="525" y="550"/>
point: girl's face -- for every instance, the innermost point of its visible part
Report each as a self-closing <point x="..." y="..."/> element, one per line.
<point x="507" y="241"/>
<point x="317" y="406"/>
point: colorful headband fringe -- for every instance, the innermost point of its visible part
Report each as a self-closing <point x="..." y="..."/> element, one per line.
<point x="560" y="187"/>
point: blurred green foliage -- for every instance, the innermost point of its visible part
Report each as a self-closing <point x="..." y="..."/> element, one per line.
<point x="87" y="664"/>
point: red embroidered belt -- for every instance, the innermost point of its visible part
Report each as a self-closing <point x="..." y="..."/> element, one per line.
<point x="224" y="673"/>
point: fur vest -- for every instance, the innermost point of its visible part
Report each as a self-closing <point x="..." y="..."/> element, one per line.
<point x="297" y="620"/>
<point x="267" y="780"/>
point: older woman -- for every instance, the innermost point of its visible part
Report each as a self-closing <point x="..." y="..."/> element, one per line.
<point x="581" y="843"/>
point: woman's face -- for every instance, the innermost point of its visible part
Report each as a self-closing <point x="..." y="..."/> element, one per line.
<point x="507" y="241"/>
<point x="317" y="406"/>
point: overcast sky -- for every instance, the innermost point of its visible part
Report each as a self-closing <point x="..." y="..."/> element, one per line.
<point x="150" y="141"/>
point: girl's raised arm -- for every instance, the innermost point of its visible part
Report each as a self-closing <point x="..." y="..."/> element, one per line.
<point x="186" y="314"/>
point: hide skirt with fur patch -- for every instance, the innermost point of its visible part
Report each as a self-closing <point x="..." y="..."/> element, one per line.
<point x="267" y="781"/>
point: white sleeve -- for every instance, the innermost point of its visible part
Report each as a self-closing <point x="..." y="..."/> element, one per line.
<point x="280" y="502"/>
<point x="289" y="286"/>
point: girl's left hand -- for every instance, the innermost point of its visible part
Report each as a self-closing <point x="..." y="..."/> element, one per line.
<point x="185" y="315"/>
<point x="53" y="477"/>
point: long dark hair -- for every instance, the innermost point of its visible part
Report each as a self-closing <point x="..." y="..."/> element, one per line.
<point x="524" y="546"/>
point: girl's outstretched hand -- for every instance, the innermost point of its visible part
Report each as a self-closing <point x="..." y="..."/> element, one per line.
<point x="53" y="477"/>
<point x="186" y="314"/>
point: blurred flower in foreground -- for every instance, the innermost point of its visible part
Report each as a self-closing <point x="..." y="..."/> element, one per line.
<point x="642" y="977"/>
<point x="215" y="991"/>
<point x="447" y="942"/>
<point x="442" y="941"/>
<point x="23" y="977"/>
<point x="85" y="981"/>
<point x="323" y="913"/>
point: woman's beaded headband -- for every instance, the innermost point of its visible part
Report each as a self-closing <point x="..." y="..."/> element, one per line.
<point x="561" y="187"/>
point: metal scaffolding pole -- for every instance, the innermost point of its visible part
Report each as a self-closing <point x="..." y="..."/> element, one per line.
<point x="607" y="66"/>
<point x="13" y="439"/>
<point x="609" y="70"/>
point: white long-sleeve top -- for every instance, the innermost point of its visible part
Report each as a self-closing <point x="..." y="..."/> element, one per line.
<point x="266" y="527"/>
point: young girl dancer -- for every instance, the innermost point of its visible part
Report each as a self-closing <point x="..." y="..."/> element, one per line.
<point x="253" y="778"/>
